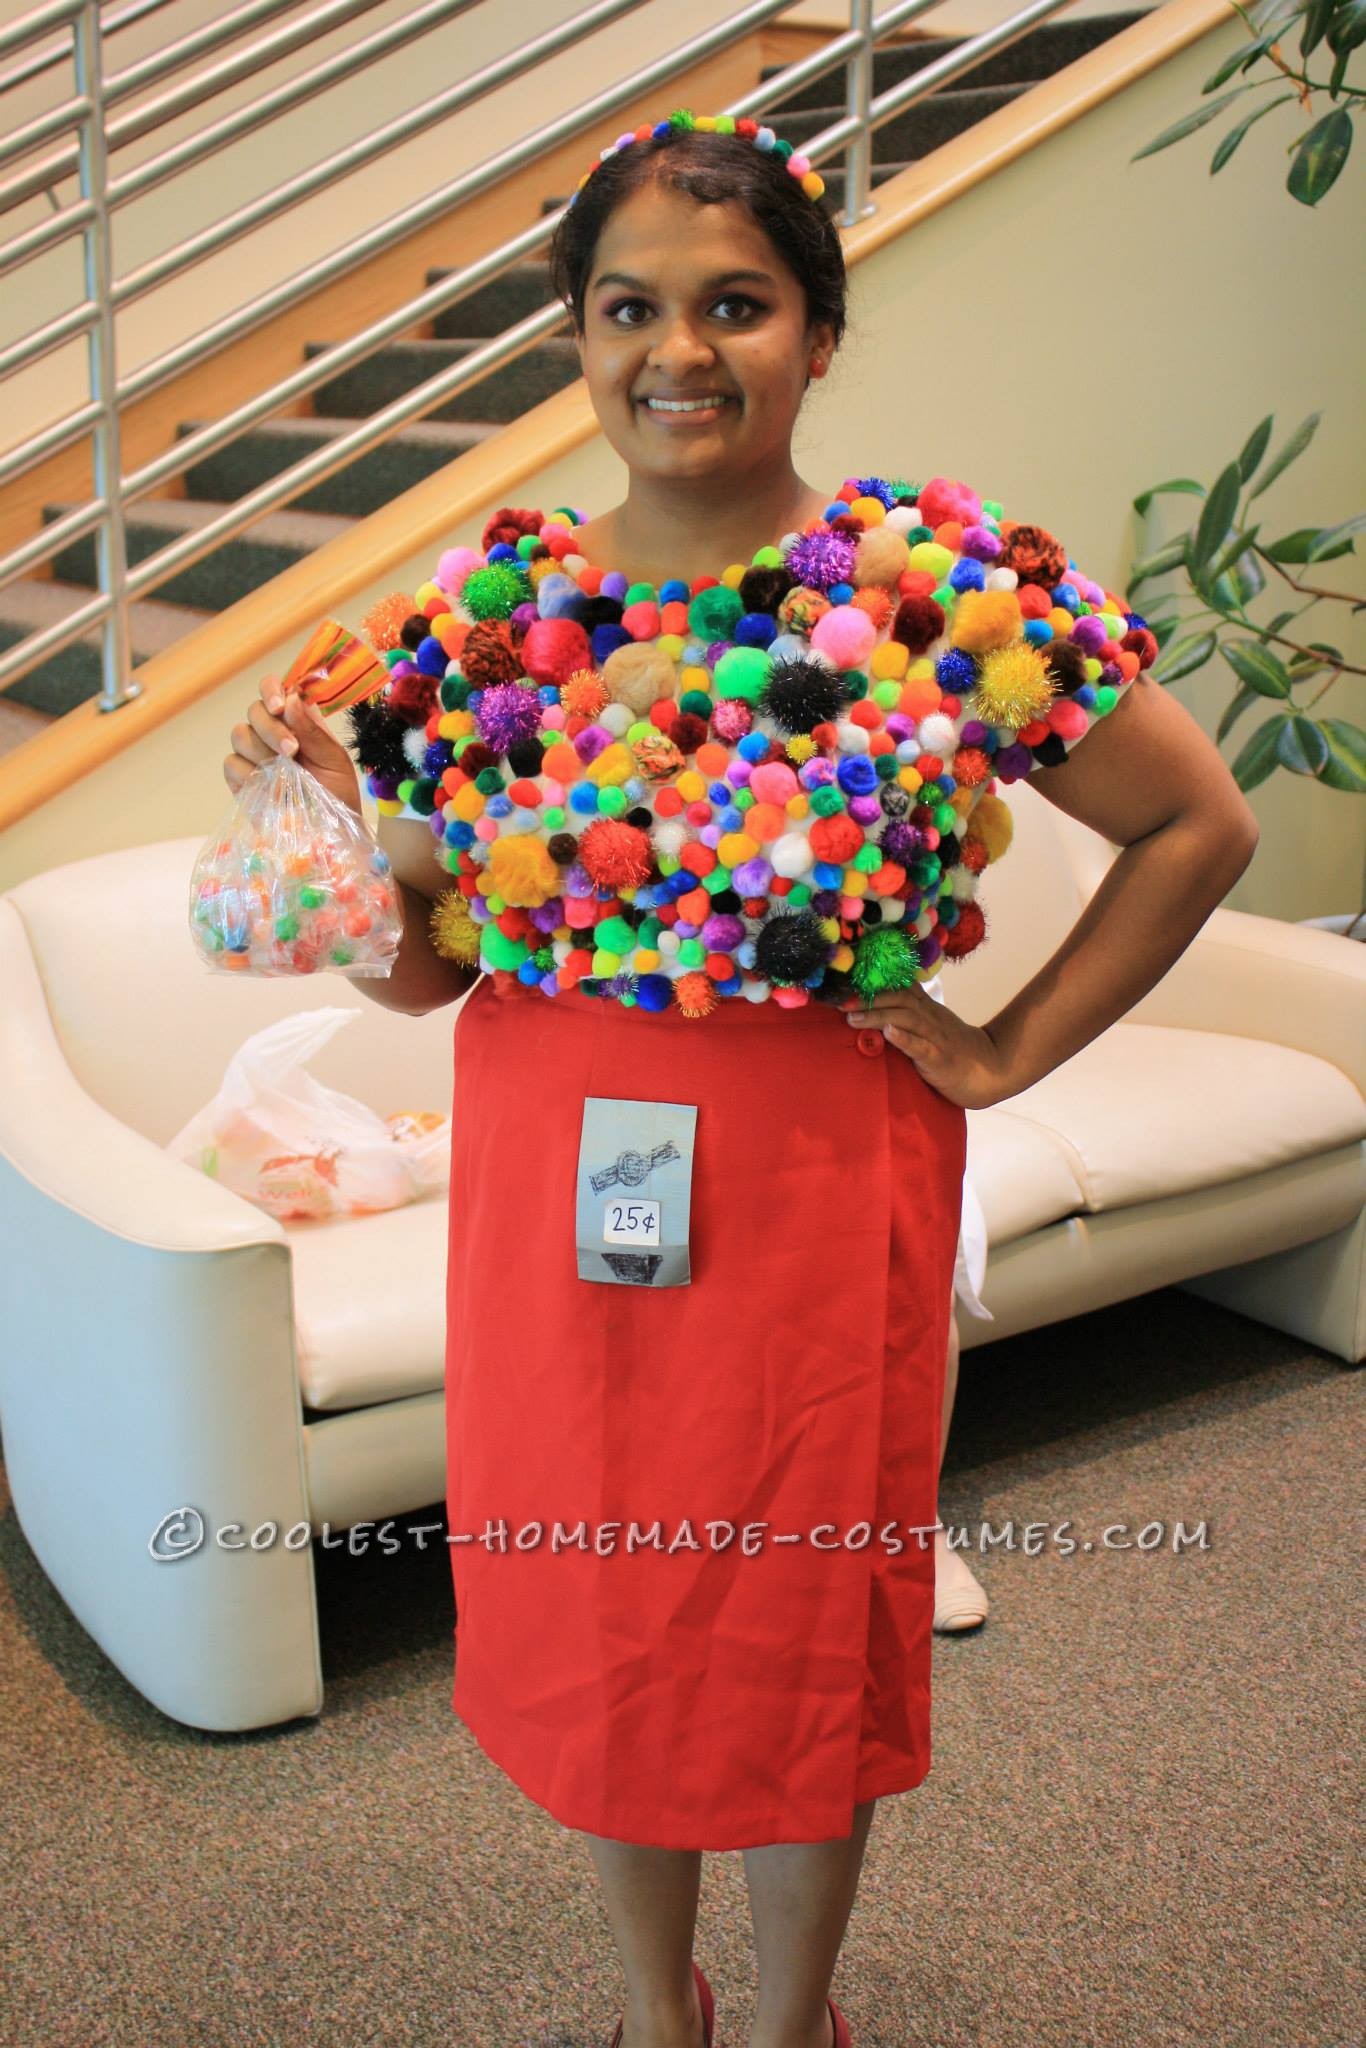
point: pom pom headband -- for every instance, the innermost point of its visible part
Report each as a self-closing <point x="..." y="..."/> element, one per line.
<point x="685" y="121"/>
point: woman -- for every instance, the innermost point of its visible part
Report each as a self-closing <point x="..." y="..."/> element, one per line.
<point x="690" y="1691"/>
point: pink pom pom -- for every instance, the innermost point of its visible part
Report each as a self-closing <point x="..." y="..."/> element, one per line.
<point x="454" y="566"/>
<point x="1067" y="718"/>
<point x="641" y="620"/>
<point x="798" y="165"/>
<point x="773" y="782"/>
<point x="846" y="635"/>
<point x="486" y="828"/>
<point x="943" y="499"/>
<point x="553" y="649"/>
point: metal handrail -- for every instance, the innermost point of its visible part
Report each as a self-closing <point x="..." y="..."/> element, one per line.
<point x="103" y="513"/>
<point x="110" y="24"/>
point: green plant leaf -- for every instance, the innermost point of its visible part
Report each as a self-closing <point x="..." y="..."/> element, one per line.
<point x="1229" y="142"/>
<point x="1291" y="452"/>
<point x="1301" y="747"/>
<point x="1345" y="767"/>
<point x="1216" y="518"/>
<point x="1238" y="60"/>
<point x="1294" y="547"/>
<point x="1163" y="631"/>
<point x="1233" y="711"/>
<point x="1177" y="483"/>
<point x="1256" y="667"/>
<point x="1236" y="545"/>
<point x="1335" y="540"/>
<point x="1243" y="582"/>
<point x="1255" y="446"/>
<point x="1347" y="30"/>
<point x="1158" y="563"/>
<point x="1317" y="16"/>
<point x="1189" y="123"/>
<point x="1185" y="658"/>
<point x="1258" y="758"/>
<point x="1320" y="157"/>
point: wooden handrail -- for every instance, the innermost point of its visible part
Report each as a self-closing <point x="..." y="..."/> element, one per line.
<point x="75" y="745"/>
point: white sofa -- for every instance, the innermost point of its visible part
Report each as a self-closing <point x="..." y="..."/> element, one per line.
<point x="168" y="1345"/>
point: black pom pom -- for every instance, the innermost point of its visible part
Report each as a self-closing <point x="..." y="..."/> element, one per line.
<point x="600" y="611"/>
<point x="563" y="849"/>
<point x="801" y="694"/>
<point x="834" y="987"/>
<point x="726" y="903"/>
<point x="894" y="799"/>
<point x="872" y="914"/>
<point x="1066" y="664"/>
<point x="949" y="849"/>
<point x="524" y="757"/>
<point x="416" y="628"/>
<point x="791" y="948"/>
<point x="642" y="815"/>
<point x="1050" y="753"/>
<point x="582" y="942"/>
<point x="762" y="590"/>
<point x="377" y="741"/>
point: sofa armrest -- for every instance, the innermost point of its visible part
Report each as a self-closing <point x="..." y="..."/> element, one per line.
<point x="72" y="1150"/>
<point x="1256" y="977"/>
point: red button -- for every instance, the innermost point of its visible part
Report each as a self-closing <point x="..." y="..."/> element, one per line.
<point x="871" y="1043"/>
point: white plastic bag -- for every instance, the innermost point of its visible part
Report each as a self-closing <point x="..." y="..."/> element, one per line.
<point x="302" y="1151"/>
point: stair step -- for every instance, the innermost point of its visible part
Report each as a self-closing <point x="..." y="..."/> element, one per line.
<point x="271" y="546"/>
<point x="1045" y="50"/>
<point x="504" y="395"/>
<point x="523" y="289"/>
<point x="70" y="676"/>
<point x="915" y="132"/>
<point x="366" y="483"/>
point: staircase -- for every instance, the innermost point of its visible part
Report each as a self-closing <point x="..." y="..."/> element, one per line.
<point x="242" y="565"/>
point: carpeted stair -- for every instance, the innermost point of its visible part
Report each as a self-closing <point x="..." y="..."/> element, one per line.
<point x="416" y="451"/>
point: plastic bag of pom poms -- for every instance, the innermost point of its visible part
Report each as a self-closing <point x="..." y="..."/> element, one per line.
<point x="293" y="883"/>
<point x="303" y="1152"/>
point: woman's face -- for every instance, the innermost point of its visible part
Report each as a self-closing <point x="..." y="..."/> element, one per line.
<point x="687" y="301"/>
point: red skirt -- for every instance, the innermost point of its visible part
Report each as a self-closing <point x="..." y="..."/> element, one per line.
<point x="699" y="1694"/>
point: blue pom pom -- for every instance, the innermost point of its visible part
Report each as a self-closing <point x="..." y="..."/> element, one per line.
<point x="652" y="990"/>
<point x="840" y="593"/>
<point x="1086" y="696"/>
<point x="753" y="747"/>
<point x="1069" y="597"/>
<point x="836" y="509"/>
<point x="458" y="833"/>
<point x="606" y="640"/>
<point x="662" y="129"/>
<point x="857" y="775"/>
<point x="731" y="819"/>
<point x="967" y="575"/>
<point x="498" y="807"/>
<point x="501" y="551"/>
<point x="547" y="693"/>
<point x="679" y="883"/>
<point x="955" y="672"/>
<point x="948" y="783"/>
<point x="827" y="875"/>
<point x="746" y="953"/>
<point x="583" y="796"/>
<point x="875" y="487"/>
<point x="431" y="657"/>
<point x="948" y="912"/>
<point x="528" y="973"/>
<point x="675" y="591"/>
<point x="731" y="986"/>
<point x="755" y="629"/>
<point x="719" y="793"/>
<point x="1038" y="632"/>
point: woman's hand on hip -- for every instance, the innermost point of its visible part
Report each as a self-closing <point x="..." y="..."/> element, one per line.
<point x="958" y="1059"/>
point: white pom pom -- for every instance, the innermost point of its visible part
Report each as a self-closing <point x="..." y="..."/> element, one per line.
<point x="1002" y="579"/>
<point x="964" y="885"/>
<point x="573" y="565"/>
<point x="938" y="735"/>
<point x="901" y="519"/>
<point x="907" y="750"/>
<point x="755" y="991"/>
<point x="893" y="909"/>
<point x="520" y="820"/>
<point x="670" y="836"/>
<point x="851" y="738"/>
<point x="787" y="647"/>
<point x="415" y="744"/>
<point x="668" y="943"/>
<point x="560" y="950"/>
<point x="616" y="719"/>
<point x="922" y="926"/>
<point x="790" y="855"/>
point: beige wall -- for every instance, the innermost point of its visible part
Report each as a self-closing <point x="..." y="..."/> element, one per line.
<point x="1072" y="329"/>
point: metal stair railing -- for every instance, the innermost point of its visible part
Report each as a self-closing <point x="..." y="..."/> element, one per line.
<point x="87" y="111"/>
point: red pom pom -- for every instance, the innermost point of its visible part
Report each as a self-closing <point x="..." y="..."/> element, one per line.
<point x="835" y="839"/>
<point x="411" y="698"/>
<point x="553" y="649"/>
<point x="508" y="525"/>
<point x="487" y="657"/>
<point x="965" y="936"/>
<point x="1138" y="640"/>
<point x="918" y="623"/>
<point x="616" y="855"/>
<point x="689" y="732"/>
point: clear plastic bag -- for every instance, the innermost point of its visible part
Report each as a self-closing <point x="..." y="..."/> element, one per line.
<point x="294" y="883"/>
<point x="301" y="1151"/>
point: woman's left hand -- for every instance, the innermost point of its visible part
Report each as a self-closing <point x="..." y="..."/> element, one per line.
<point x="960" y="1060"/>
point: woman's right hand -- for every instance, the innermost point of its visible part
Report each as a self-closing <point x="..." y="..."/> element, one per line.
<point x="278" y="723"/>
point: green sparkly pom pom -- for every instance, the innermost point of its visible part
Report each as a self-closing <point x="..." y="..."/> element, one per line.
<point x="885" y="957"/>
<point x="496" y="590"/>
<point x="682" y="117"/>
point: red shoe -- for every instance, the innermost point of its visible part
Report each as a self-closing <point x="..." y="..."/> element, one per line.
<point x="708" y="2014"/>
<point x="842" y="2039"/>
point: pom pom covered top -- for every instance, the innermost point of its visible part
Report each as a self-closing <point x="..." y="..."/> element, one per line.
<point x="775" y="783"/>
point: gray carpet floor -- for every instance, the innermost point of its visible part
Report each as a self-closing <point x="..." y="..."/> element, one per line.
<point x="1141" y="1829"/>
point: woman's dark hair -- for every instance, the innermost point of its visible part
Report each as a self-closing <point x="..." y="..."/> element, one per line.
<point x="709" y="168"/>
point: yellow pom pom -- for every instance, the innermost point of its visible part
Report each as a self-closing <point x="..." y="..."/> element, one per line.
<point x="521" y="870"/>
<point x="645" y="960"/>
<point x="830" y="929"/>
<point x="691" y="786"/>
<point x="388" y="806"/>
<point x="799" y="805"/>
<point x="800" y="747"/>
<point x="871" y="511"/>
<point x="813" y="184"/>
<point x="888" y="662"/>
<point x="734" y="576"/>
<point x="558" y="519"/>
<point x="468" y="803"/>
<point x="735" y="847"/>
<point x="1014" y="686"/>
<point x="694" y="679"/>
<point x="983" y="619"/>
<point x="455" y="935"/>
<point x="992" y="823"/>
<point x="842" y="959"/>
<point x="614" y="765"/>
<point x="706" y="123"/>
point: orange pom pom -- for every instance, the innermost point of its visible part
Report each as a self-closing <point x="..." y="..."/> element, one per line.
<point x="695" y="994"/>
<point x="383" y="624"/>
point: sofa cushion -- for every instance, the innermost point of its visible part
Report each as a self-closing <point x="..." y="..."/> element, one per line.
<point x="1021" y="1174"/>
<point x="370" y="1304"/>
<point x="1148" y="1110"/>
